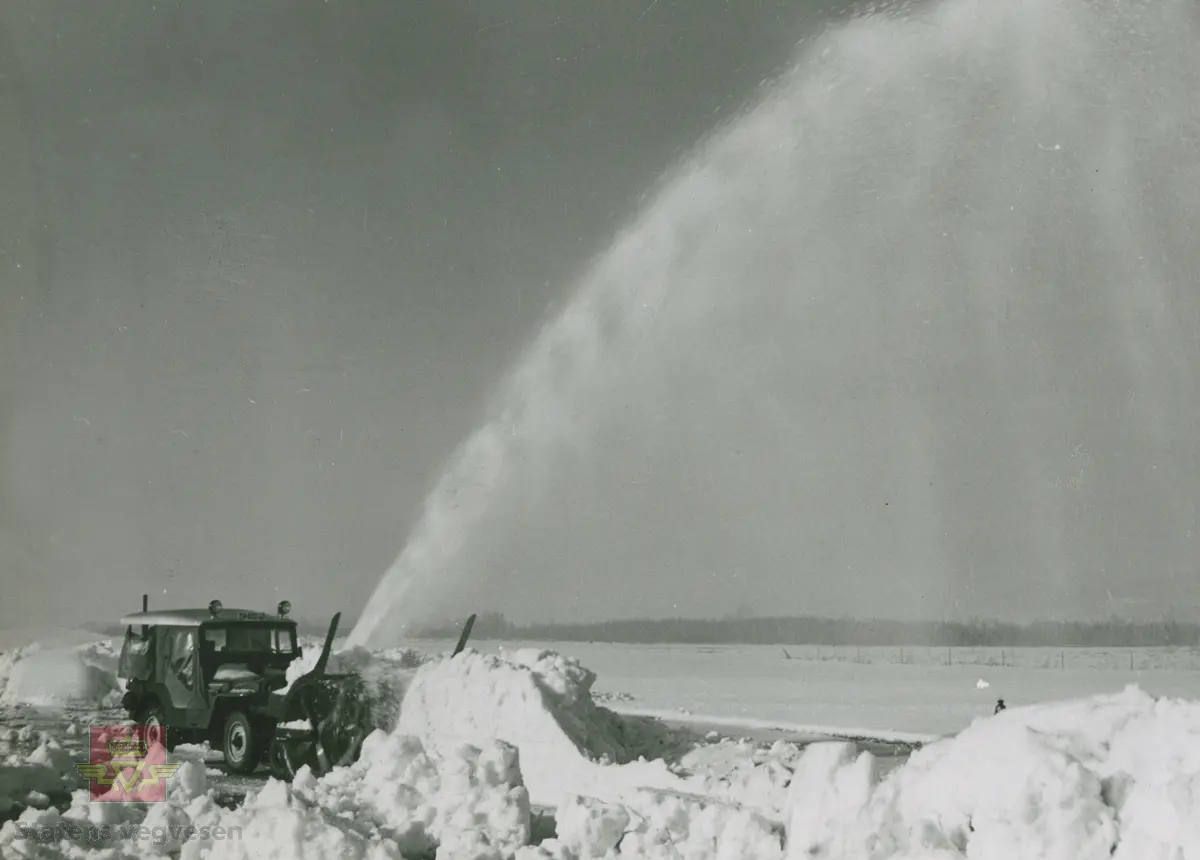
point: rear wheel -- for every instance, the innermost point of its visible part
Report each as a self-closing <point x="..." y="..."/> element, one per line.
<point x="243" y="743"/>
<point x="153" y="717"/>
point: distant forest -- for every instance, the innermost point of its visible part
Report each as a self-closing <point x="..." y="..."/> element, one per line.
<point x="802" y="630"/>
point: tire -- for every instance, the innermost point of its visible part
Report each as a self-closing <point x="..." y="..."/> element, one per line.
<point x="242" y="743"/>
<point x="153" y="717"/>
<point x="288" y="756"/>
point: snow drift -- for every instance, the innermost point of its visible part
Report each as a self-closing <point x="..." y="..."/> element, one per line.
<point x="59" y="675"/>
<point x="539" y="702"/>
<point x="1114" y="776"/>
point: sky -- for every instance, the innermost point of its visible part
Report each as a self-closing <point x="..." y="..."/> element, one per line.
<point x="265" y="266"/>
<point x="264" y="262"/>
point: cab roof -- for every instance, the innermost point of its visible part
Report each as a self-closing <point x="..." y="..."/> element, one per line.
<point x="196" y="617"/>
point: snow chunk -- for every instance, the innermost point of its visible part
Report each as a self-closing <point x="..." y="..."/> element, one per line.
<point x="663" y="824"/>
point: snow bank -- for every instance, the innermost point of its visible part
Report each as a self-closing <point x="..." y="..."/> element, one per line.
<point x="468" y="799"/>
<point x="540" y="703"/>
<point x="39" y="675"/>
<point x="1115" y="776"/>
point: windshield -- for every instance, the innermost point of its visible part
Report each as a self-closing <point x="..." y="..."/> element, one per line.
<point x="268" y="638"/>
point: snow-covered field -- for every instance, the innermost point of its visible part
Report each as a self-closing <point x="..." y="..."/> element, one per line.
<point x="827" y="688"/>
<point x="511" y="751"/>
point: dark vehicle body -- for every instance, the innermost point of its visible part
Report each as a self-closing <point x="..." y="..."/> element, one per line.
<point x="219" y="675"/>
<point x="180" y="661"/>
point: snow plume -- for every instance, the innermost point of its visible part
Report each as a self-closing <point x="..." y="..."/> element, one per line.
<point x="876" y="284"/>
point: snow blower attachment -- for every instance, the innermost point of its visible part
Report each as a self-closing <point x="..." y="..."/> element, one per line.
<point x="323" y="719"/>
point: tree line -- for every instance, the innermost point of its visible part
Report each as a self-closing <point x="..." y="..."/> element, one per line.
<point x="815" y="630"/>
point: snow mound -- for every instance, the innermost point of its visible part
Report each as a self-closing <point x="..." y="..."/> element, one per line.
<point x="659" y="825"/>
<point x="468" y="799"/>
<point x="540" y="703"/>
<point x="52" y="676"/>
<point x="1114" y="776"/>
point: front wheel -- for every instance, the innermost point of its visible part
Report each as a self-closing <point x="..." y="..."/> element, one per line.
<point x="243" y="742"/>
<point x="288" y="755"/>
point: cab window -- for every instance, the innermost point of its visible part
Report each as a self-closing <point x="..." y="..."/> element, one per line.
<point x="179" y="656"/>
<point x="250" y="638"/>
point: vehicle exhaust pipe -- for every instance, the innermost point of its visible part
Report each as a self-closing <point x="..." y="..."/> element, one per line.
<point x="145" y="603"/>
